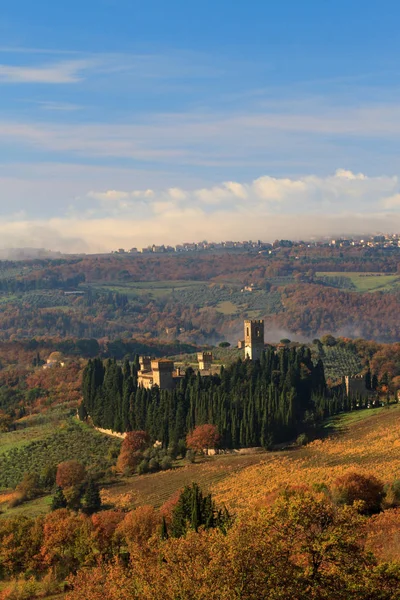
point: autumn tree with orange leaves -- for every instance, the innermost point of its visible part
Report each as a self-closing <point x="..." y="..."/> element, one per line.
<point x="70" y="473"/>
<point x="303" y="547"/>
<point x="203" y="438"/>
<point x="130" y="455"/>
<point x="71" y="476"/>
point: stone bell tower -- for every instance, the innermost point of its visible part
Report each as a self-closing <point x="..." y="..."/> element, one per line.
<point x="253" y="339"/>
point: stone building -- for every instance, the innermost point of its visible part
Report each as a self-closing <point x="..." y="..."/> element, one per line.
<point x="160" y="372"/>
<point x="253" y="339"/>
<point x="205" y="361"/>
<point x="56" y="359"/>
<point x="356" y="386"/>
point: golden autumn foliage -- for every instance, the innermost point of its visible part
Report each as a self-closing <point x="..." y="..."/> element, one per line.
<point x="292" y="536"/>
<point x="105" y="524"/>
<point x="371" y="446"/>
<point x="303" y="547"/>
<point x="383" y="535"/>
<point x="139" y="526"/>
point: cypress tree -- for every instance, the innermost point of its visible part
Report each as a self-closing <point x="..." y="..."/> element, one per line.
<point x="58" y="500"/>
<point x="368" y="380"/>
<point x="251" y="403"/>
<point x="91" y="498"/>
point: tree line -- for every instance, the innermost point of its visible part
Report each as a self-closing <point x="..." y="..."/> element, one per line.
<point x="251" y="403"/>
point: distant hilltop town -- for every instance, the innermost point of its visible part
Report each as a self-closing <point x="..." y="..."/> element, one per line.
<point x="387" y="240"/>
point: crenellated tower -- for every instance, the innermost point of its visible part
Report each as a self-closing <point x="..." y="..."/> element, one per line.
<point x="253" y="339"/>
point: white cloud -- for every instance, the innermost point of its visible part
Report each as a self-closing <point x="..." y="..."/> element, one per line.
<point x="142" y="193"/>
<point x="274" y="189"/>
<point x="392" y="201"/>
<point x="117" y="195"/>
<point x="177" y="194"/>
<point x="167" y="225"/>
<point x="61" y="72"/>
<point x="344" y="174"/>
<point x="109" y="195"/>
<point x="265" y="208"/>
<point x="237" y="189"/>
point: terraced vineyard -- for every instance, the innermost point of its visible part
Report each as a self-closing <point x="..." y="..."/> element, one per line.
<point x="339" y="362"/>
<point x="361" y="440"/>
<point x="70" y="440"/>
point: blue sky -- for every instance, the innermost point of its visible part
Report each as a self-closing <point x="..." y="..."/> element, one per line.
<point x="126" y="122"/>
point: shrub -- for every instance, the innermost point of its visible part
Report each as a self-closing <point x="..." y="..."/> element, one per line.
<point x="166" y="463"/>
<point x="16" y="501"/>
<point x="132" y="448"/>
<point x="302" y="439"/>
<point x="182" y="449"/>
<point x="58" y="500"/>
<point x="173" y="450"/>
<point x="354" y="487"/>
<point x="190" y="455"/>
<point x="143" y="467"/>
<point x="320" y="488"/>
<point x="392" y="494"/>
<point x="154" y="465"/>
<point x="22" y="590"/>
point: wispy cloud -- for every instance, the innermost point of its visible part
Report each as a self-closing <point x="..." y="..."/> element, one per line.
<point x="205" y="139"/>
<point x="58" y="106"/>
<point x="56" y="73"/>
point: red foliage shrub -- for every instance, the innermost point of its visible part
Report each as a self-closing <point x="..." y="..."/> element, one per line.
<point x="354" y="487"/>
<point x="134" y="443"/>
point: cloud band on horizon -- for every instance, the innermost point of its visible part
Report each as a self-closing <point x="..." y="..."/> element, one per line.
<point x="266" y="208"/>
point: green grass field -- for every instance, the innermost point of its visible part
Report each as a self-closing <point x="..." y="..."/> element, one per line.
<point x="21" y="437"/>
<point x="156" y="289"/>
<point x="35" y="448"/>
<point x="32" y="428"/>
<point x="340" y="422"/>
<point x="228" y="308"/>
<point x="361" y="282"/>
<point x="32" y="509"/>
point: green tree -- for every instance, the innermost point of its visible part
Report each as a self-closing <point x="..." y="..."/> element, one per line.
<point x="91" y="501"/>
<point x="194" y="510"/>
<point x="58" y="500"/>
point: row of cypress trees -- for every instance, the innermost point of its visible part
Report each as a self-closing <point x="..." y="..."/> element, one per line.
<point x="252" y="403"/>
